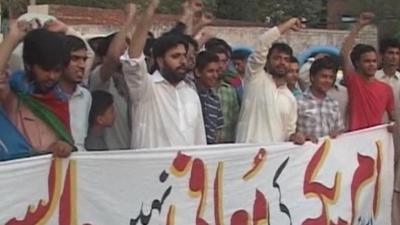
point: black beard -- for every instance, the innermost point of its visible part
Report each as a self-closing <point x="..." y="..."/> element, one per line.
<point x="172" y="76"/>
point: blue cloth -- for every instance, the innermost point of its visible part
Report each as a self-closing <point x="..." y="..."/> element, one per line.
<point x="19" y="83"/>
<point x="12" y="144"/>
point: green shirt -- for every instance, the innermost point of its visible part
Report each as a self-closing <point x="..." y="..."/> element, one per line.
<point x="230" y="110"/>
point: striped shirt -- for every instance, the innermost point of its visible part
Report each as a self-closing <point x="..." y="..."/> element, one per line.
<point x="212" y="114"/>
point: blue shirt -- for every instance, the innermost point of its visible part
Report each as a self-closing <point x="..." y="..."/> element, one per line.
<point x="12" y="144"/>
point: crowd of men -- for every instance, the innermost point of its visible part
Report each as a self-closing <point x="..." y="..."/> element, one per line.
<point x="131" y="90"/>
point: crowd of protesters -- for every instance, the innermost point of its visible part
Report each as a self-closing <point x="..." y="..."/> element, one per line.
<point x="131" y="90"/>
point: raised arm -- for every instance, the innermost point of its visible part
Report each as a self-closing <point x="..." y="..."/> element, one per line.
<point x="17" y="32"/>
<point x="139" y="36"/>
<point x="348" y="43"/>
<point x="205" y="20"/>
<point x="258" y="59"/>
<point x="118" y="44"/>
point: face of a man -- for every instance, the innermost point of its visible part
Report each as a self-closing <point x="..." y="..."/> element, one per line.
<point x="45" y="79"/>
<point x="292" y="75"/>
<point x="240" y="66"/>
<point x="173" y="66"/>
<point x="367" y="64"/>
<point x="391" y="57"/>
<point x="278" y="64"/>
<point x="223" y="63"/>
<point x="323" y="80"/>
<point x="208" y="77"/>
<point x="75" y="70"/>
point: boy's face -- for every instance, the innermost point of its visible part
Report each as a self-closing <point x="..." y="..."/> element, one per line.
<point x="107" y="118"/>
<point x="391" y="57"/>
<point x="240" y="66"/>
<point x="45" y="79"/>
<point x="75" y="70"/>
<point x="208" y="77"/>
<point x="323" y="80"/>
<point x="293" y="73"/>
<point x="367" y="65"/>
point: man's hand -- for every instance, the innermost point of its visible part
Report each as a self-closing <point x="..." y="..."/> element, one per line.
<point x="312" y="138"/>
<point x="61" y="149"/>
<point x="365" y="18"/>
<point x="298" y="138"/>
<point x="56" y="26"/>
<point x="391" y="128"/>
<point x="19" y="29"/>
<point x="130" y="11"/>
<point x="334" y="134"/>
<point x="294" y="24"/>
<point x="206" y="19"/>
<point x="196" y="5"/>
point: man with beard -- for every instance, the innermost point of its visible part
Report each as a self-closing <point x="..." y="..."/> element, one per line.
<point x="79" y="98"/>
<point x="33" y="101"/>
<point x="166" y="110"/>
<point x="369" y="98"/>
<point x="269" y="109"/>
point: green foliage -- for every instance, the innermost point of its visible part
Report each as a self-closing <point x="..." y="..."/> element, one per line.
<point x="386" y="12"/>
<point x="237" y="9"/>
<point x="279" y="11"/>
<point x="272" y="11"/>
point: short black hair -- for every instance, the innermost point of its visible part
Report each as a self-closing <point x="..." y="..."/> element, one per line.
<point x="386" y="43"/>
<point x="219" y="50"/>
<point x="46" y="49"/>
<point x="204" y="58"/>
<point x="280" y="47"/>
<point x="358" y="51"/>
<point x="167" y="42"/>
<point x="101" y="101"/>
<point x="148" y="46"/>
<point x="100" y="45"/>
<point x="326" y="62"/>
<point x="294" y="60"/>
<point x="217" y="43"/>
<point x="74" y="43"/>
<point x="191" y="41"/>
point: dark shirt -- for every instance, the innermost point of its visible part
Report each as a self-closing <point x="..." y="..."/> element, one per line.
<point x="94" y="142"/>
<point x="212" y="114"/>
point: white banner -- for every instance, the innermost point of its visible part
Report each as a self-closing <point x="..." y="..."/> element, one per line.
<point x="348" y="180"/>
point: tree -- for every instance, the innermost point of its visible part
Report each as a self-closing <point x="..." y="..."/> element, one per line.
<point x="386" y="12"/>
<point x="272" y="11"/>
<point x="277" y="11"/>
<point x="237" y="9"/>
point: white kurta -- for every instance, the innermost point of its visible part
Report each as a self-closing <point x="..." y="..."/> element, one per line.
<point x="163" y="115"/>
<point x="268" y="112"/>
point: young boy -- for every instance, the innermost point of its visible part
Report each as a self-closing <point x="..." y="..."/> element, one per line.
<point x="206" y="71"/>
<point x="318" y="114"/>
<point x="101" y="117"/>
